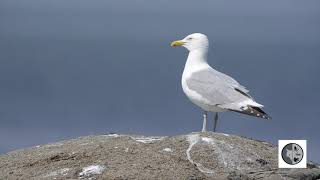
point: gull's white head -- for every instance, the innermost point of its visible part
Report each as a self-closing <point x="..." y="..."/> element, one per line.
<point x="193" y="41"/>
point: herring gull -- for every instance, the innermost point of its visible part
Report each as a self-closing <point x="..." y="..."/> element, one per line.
<point x="210" y="89"/>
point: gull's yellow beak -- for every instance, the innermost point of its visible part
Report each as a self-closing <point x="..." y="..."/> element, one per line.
<point x="177" y="43"/>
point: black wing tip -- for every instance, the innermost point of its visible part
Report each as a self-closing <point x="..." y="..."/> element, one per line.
<point x="265" y="116"/>
<point x="260" y="113"/>
<point x="254" y="111"/>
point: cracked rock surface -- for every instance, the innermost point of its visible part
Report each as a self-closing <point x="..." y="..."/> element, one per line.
<point x="192" y="156"/>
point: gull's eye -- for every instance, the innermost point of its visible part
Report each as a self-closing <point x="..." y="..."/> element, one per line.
<point x="190" y="38"/>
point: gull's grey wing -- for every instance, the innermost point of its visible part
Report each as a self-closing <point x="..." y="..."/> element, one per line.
<point x="217" y="87"/>
<point x="229" y="80"/>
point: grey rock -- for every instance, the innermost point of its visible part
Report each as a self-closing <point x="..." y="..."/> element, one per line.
<point x="192" y="157"/>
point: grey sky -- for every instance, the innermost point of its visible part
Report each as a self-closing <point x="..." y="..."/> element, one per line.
<point x="71" y="68"/>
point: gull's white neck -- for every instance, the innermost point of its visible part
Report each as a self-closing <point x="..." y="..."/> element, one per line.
<point x="197" y="60"/>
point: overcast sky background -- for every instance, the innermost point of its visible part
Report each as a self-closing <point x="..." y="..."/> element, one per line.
<point x="74" y="68"/>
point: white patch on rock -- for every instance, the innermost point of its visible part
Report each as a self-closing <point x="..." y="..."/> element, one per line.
<point x="207" y="140"/>
<point x="61" y="172"/>
<point x="211" y="142"/>
<point x="194" y="139"/>
<point x="126" y="150"/>
<point x="91" y="170"/>
<point x="147" y="139"/>
<point x="223" y="155"/>
<point x="227" y="154"/>
<point x="225" y="134"/>
<point x="167" y="150"/>
<point x="112" y="135"/>
<point x="54" y="145"/>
